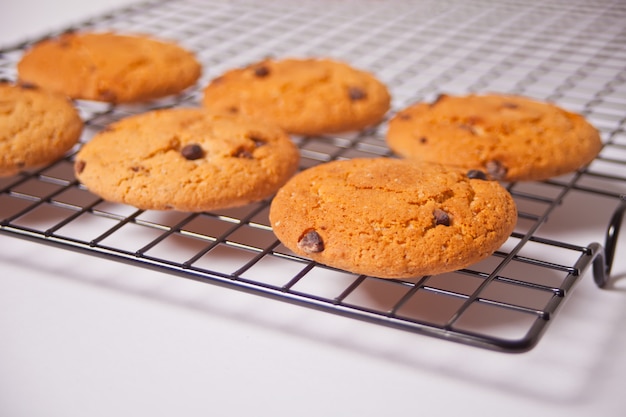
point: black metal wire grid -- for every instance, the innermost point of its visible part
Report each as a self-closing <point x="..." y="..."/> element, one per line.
<point x="569" y="52"/>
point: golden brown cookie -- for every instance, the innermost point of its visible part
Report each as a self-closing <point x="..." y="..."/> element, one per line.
<point x="36" y="127"/>
<point x="187" y="160"/>
<point x="392" y="218"/>
<point x="109" y="67"/>
<point x="303" y="96"/>
<point x="510" y="138"/>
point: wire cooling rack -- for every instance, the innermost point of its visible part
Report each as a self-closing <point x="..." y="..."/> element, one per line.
<point x="571" y="52"/>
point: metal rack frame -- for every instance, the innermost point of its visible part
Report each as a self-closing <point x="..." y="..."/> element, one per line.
<point x="566" y="51"/>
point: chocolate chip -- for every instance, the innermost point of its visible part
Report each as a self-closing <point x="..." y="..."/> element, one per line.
<point x="438" y="99"/>
<point x="311" y="242"/>
<point x="423" y="139"/>
<point x="79" y="166"/>
<point x="496" y="169"/>
<point x="258" y="141"/>
<point x="474" y="120"/>
<point x="476" y="174"/>
<point x="192" y="151"/>
<point x="356" y="93"/>
<point x="469" y="128"/>
<point x="64" y="40"/>
<point x="441" y="217"/>
<point x="261" y="71"/>
<point x="243" y="153"/>
<point x="27" y="86"/>
<point x="107" y="95"/>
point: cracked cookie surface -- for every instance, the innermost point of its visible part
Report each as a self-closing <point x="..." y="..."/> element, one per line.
<point x="36" y="127"/>
<point x="303" y="96"/>
<point x="109" y="67"/>
<point x="510" y="138"/>
<point x="186" y="160"/>
<point x="392" y="218"/>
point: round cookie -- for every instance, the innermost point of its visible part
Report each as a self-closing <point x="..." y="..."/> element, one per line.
<point x="109" y="67"/>
<point x="36" y="127"/>
<point x="303" y="96"/>
<point x="511" y="138"/>
<point x="187" y="160"/>
<point x="392" y="218"/>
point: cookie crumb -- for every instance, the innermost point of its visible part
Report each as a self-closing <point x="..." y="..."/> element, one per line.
<point x="311" y="242"/>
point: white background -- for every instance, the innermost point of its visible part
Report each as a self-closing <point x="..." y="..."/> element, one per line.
<point x="81" y="336"/>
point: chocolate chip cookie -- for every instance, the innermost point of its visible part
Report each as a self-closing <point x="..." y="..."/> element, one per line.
<point x="186" y="160"/>
<point x="303" y="96"/>
<point x="392" y="218"/>
<point x="510" y="138"/>
<point x="109" y="67"/>
<point x="36" y="127"/>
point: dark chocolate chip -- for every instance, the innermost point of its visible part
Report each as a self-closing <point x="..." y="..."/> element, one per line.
<point x="258" y="141"/>
<point x="27" y="86"/>
<point x="261" y="71"/>
<point x="243" y="153"/>
<point x="311" y="242"/>
<point x="107" y="95"/>
<point x="423" y="139"/>
<point x="474" y="120"/>
<point x="496" y="169"/>
<point x="438" y="99"/>
<point x="356" y="93"/>
<point x="476" y="174"/>
<point x="509" y="105"/>
<point x="192" y="151"/>
<point x="469" y="128"/>
<point x="79" y="166"/>
<point x="441" y="217"/>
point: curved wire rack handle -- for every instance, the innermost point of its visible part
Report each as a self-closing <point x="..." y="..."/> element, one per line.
<point x="603" y="263"/>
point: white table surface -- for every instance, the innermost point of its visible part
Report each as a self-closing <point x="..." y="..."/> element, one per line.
<point x="81" y="336"/>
